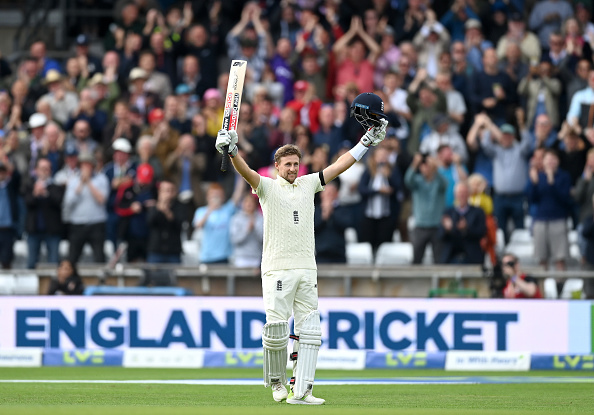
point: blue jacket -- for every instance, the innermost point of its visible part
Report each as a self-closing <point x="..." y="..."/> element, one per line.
<point x="551" y="201"/>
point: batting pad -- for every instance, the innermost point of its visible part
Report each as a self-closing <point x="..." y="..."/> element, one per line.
<point x="275" y="338"/>
<point x="310" y="339"/>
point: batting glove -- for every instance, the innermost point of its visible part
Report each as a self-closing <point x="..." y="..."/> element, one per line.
<point x="375" y="135"/>
<point x="227" y="138"/>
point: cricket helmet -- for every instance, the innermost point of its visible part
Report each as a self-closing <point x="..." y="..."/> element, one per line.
<point x="367" y="109"/>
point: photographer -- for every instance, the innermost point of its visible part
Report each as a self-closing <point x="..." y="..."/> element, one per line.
<point x="518" y="284"/>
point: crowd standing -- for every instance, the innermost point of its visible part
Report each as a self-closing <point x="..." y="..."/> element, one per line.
<point x="119" y="146"/>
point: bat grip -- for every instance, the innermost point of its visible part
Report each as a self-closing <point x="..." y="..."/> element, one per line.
<point x="225" y="161"/>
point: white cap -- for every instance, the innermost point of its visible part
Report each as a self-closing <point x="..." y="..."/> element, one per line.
<point x="121" y="144"/>
<point x="37" y="120"/>
<point x="137" y="73"/>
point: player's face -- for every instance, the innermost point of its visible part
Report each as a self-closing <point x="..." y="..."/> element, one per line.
<point x="288" y="167"/>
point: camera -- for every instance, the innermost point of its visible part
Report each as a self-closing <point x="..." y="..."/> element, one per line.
<point x="496" y="278"/>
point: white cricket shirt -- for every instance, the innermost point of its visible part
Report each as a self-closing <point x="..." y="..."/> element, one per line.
<point x="288" y="222"/>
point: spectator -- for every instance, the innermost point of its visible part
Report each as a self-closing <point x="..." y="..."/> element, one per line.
<point x="139" y="96"/>
<point x="491" y="90"/>
<point x="576" y="81"/>
<point x="81" y="139"/>
<point x="9" y="210"/>
<point x="85" y="199"/>
<point x="356" y="53"/>
<point x="444" y="133"/>
<point x="191" y="76"/>
<point x="214" y="221"/>
<point x="165" y="225"/>
<point x="158" y="83"/>
<point x="213" y="110"/>
<point x="542" y="92"/>
<point x="388" y="58"/>
<point x="583" y="13"/>
<point x="393" y="88"/>
<point x="53" y="146"/>
<point x="315" y="71"/>
<point x="61" y="101"/>
<point x="281" y="67"/>
<point x="306" y="105"/>
<point x="513" y="65"/>
<point x="428" y="189"/>
<point x="475" y="44"/>
<point x="430" y="42"/>
<point x="165" y="138"/>
<point x="70" y="166"/>
<point x="518" y="284"/>
<point x="87" y="110"/>
<point x="462" y="228"/>
<point x="575" y="44"/>
<point x="410" y="22"/>
<point x="38" y="51"/>
<point x="133" y="199"/>
<point x="544" y="135"/>
<point x="349" y="197"/>
<point x="202" y="46"/>
<point x="145" y="153"/>
<point x="184" y="167"/>
<point x="247" y="233"/>
<point x="477" y="187"/>
<point x="517" y="33"/>
<point x="247" y="43"/>
<point x="330" y="222"/>
<point x="424" y="102"/>
<point x="549" y="191"/>
<point x="67" y="281"/>
<point x="328" y="133"/>
<point x="452" y="169"/>
<point x="546" y="17"/>
<point x="455" y="18"/>
<point x="106" y="92"/>
<point x="381" y="190"/>
<point x="37" y="124"/>
<point x="121" y="126"/>
<point x="118" y="172"/>
<point x="205" y="146"/>
<point x="89" y="62"/>
<point x="584" y="188"/>
<point x="455" y="100"/>
<point x="580" y="108"/>
<point x="509" y="173"/>
<point x="175" y="114"/>
<point x="43" y="219"/>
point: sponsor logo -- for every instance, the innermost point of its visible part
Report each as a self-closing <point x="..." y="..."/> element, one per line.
<point x="296" y="217"/>
<point x="279" y="285"/>
<point x="579" y="362"/>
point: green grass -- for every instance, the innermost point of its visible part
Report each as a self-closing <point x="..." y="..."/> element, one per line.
<point x="151" y="399"/>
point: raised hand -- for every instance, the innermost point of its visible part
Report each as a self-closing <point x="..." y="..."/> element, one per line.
<point x="227" y="138"/>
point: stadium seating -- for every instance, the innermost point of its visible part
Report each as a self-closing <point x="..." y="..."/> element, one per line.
<point x="20" y="284"/>
<point x="191" y="255"/>
<point x="394" y="253"/>
<point x="7" y="284"/>
<point x="350" y="235"/>
<point x="359" y="253"/>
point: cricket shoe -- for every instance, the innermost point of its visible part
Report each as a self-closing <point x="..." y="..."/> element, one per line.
<point x="279" y="392"/>
<point x="308" y="399"/>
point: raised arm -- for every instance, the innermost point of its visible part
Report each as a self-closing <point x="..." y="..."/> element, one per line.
<point x="372" y="137"/>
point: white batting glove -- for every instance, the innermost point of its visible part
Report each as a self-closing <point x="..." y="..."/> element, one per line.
<point x="375" y="135"/>
<point x="227" y="138"/>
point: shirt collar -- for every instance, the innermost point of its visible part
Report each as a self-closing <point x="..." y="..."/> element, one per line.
<point x="283" y="182"/>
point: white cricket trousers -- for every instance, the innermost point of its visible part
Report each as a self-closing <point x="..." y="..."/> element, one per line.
<point x="287" y="292"/>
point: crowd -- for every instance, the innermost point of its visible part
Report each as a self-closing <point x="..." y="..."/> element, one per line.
<point x="490" y="104"/>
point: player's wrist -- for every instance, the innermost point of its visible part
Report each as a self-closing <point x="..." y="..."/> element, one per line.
<point x="359" y="151"/>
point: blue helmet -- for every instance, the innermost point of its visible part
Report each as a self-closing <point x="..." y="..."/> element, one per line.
<point x="368" y="108"/>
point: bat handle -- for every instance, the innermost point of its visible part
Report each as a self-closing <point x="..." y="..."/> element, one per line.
<point x="225" y="161"/>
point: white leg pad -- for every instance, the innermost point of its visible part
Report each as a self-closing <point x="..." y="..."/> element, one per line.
<point x="275" y="338"/>
<point x="310" y="339"/>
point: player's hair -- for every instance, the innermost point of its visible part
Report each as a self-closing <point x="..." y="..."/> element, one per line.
<point x="287" y="150"/>
<point x="215" y="186"/>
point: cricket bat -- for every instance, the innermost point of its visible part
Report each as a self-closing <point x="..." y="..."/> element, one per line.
<point x="233" y="102"/>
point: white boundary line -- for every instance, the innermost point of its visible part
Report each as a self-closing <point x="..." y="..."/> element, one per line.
<point x="402" y="381"/>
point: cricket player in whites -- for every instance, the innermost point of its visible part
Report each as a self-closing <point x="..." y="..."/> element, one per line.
<point x="289" y="272"/>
